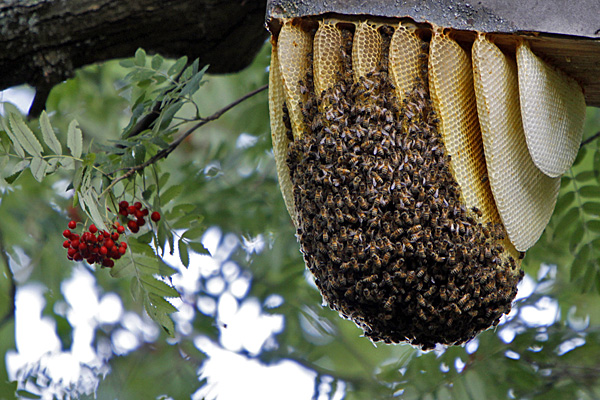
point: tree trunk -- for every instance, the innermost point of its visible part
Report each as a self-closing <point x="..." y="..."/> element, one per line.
<point x="43" y="41"/>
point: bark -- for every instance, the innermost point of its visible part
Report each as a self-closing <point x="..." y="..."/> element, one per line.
<point x="43" y="41"/>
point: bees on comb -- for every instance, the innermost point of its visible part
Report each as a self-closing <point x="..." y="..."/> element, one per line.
<point x="390" y="224"/>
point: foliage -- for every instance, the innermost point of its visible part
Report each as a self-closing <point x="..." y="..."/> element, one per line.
<point x="94" y="140"/>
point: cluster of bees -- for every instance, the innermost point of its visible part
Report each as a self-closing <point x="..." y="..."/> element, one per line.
<point x="380" y="218"/>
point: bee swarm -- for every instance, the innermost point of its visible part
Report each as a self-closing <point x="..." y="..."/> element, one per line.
<point x="380" y="217"/>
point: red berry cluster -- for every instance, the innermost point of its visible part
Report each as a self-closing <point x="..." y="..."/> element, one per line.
<point x="138" y="213"/>
<point x="94" y="246"/>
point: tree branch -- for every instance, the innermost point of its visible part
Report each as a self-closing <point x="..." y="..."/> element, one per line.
<point x="590" y="139"/>
<point x="164" y="153"/>
<point x="42" y="42"/>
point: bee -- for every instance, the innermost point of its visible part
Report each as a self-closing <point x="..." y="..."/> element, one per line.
<point x="325" y="236"/>
<point x="421" y="300"/>
<point x="389" y="303"/>
<point x="407" y="245"/>
<point x="430" y="291"/>
<point x="455" y="308"/>
<point x="339" y="216"/>
<point x="421" y="314"/>
<point x="360" y="253"/>
<point x="362" y="203"/>
<point x="468" y="306"/>
<point x="476" y="291"/>
<point x="350" y="218"/>
<point x="464" y="299"/>
<point x="449" y="322"/>
<point x="414" y="229"/>
<point x="456" y="270"/>
<point x="324" y="213"/>
<point x="443" y="294"/>
<point x="343" y="234"/>
<point x="420" y="250"/>
<point x="376" y="262"/>
<point x="397" y="233"/>
<point x="386" y="258"/>
<point x="410" y="277"/>
<point x="350" y="292"/>
<point x="489" y="287"/>
<point x="451" y="257"/>
<point x="370" y="278"/>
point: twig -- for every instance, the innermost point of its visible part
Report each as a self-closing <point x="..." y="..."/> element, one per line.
<point x="10" y="313"/>
<point x="590" y="139"/>
<point x="164" y="153"/>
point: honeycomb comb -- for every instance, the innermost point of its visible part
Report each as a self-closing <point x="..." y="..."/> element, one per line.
<point x="524" y="195"/>
<point x="553" y="112"/>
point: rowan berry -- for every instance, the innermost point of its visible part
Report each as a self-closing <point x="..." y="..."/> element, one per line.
<point x="123" y="204"/>
<point x="137" y="205"/>
<point x="67" y="233"/>
<point x="145" y="212"/>
<point x="103" y="250"/>
<point x="122" y="250"/>
<point x="131" y="209"/>
<point x="93" y="229"/>
<point x="138" y="214"/>
<point x="114" y="236"/>
<point x="155" y="216"/>
<point x="72" y="224"/>
<point x="67" y="244"/>
<point x="109" y="243"/>
<point x="140" y="222"/>
<point x="120" y="229"/>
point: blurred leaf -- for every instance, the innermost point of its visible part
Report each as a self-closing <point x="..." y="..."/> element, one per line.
<point x="160" y="288"/>
<point x="48" y="134"/>
<point x="24" y="135"/>
<point x="38" y="168"/>
<point x="75" y="139"/>
<point x="183" y="253"/>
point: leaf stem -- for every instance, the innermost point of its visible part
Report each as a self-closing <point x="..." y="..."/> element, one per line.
<point x="164" y="153"/>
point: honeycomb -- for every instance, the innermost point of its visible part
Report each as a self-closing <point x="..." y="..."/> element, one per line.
<point x="525" y="196"/>
<point x="405" y="59"/>
<point x="278" y="131"/>
<point x="553" y="110"/>
<point x="452" y="91"/>
<point x="294" y="46"/>
<point x="406" y="228"/>
<point x="366" y="49"/>
<point x="327" y="48"/>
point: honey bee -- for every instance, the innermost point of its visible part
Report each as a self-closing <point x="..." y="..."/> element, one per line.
<point x="397" y="233"/>
<point x="389" y="303"/>
<point x="386" y="258"/>
<point x="349" y="292"/>
<point x="339" y="216"/>
<point x="468" y="306"/>
<point x="376" y="262"/>
<point x="421" y="314"/>
<point x="464" y="299"/>
<point x="420" y="250"/>
<point x="325" y="236"/>
<point x="350" y="218"/>
<point x="410" y="277"/>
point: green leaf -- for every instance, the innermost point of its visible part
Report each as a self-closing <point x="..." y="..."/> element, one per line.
<point x="25" y="135"/>
<point x="157" y="61"/>
<point x="566" y="222"/>
<point x="584" y="176"/>
<point x="48" y="134"/>
<point x="563" y="202"/>
<point x="123" y="268"/>
<point x="27" y="395"/>
<point x="575" y="239"/>
<point x="178" y="66"/>
<point x="183" y="253"/>
<point x="590" y="191"/>
<point x="198" y="248"/>
<point x="593" y="226"/>
<point x="15" y="143"/>
<point x="127" y="63"/>
<point x="75" y="139"/>
<point x="160" y="288"/>
<point x="588" y="279"/>
<point x="16" y="171"/>
<point x="171" y="193"/>
<point x="580" y="262"/>
<point x="94" y="212"/>
<point x="38" y="168"/>
<point x="591" y="208"/>
<point x="195" y="232"/>
<point x="135" y="289"/>
<point x="140" y="57"/>
<point x="161" y="304"/>
<point x="160" y="317"/>
<point x="67" y="162"/>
